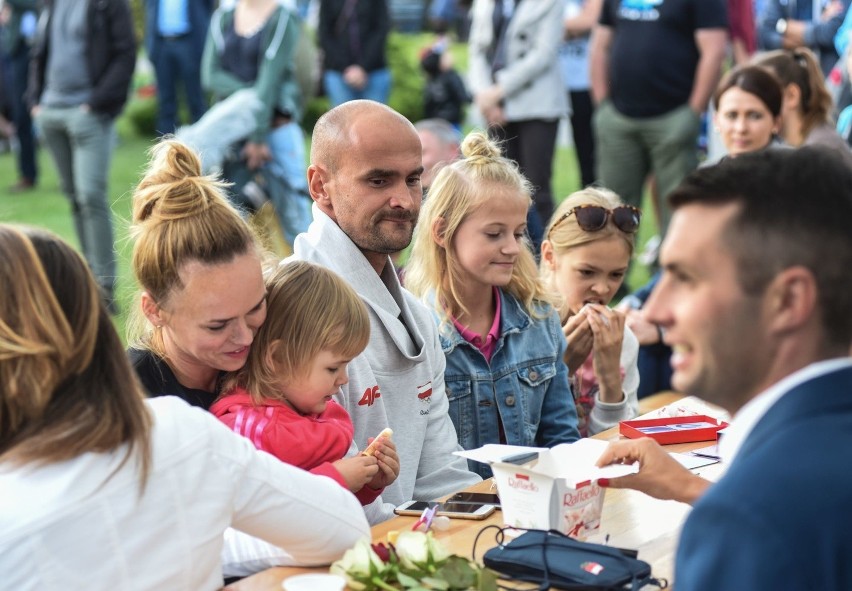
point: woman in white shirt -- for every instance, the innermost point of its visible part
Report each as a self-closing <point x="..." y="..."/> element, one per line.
<point x="103" y="490"/>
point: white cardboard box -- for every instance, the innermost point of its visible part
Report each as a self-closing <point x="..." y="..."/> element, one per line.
<point x="557" y="490"/>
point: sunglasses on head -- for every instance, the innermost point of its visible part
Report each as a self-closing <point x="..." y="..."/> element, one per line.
<point x="592" y="218"/>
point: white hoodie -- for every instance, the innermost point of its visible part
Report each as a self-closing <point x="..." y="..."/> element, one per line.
<point x="395" y="382"/>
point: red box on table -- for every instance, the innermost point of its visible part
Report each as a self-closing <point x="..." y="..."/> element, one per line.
<point x="669" y="430"/>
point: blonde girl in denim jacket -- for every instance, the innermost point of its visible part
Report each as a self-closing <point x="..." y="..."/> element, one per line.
<point x="584" y="257"/>
<point x="471" y="263"/>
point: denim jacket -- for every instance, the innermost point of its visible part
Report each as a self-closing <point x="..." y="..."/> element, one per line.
<point x="526" y="382"/>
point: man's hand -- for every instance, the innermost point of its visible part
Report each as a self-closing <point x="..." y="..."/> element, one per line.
<point x="659" y="476"/>
<point x="646" y="332"/>
<point x="794" y="36"/>
<point x="256" y="155"/>
<point x="355" y="76"/>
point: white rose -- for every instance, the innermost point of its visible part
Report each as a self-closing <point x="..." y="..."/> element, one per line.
<point x="412" y="548"/>
<point x="356" y="564"/>
<point x="437" y="550"/>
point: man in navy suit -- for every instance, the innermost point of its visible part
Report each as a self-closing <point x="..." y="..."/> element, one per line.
<point x="175" y="31"/>
<point x="756" y="302"/>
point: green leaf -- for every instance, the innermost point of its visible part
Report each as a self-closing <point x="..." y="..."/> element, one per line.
<point x="458" y="572"/>
<point x="434" y="583"/>
<point x="487" y="580"/>
<point x="407" y="581"/>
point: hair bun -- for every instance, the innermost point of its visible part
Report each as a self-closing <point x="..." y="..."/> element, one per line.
<point x="173" y="187"/>
<point x="476" y="145"/>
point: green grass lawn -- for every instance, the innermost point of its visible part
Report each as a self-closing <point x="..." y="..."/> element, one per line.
<point x="47" y="207"/>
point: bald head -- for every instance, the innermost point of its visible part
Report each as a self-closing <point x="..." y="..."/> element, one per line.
<point x="340" y="129"/>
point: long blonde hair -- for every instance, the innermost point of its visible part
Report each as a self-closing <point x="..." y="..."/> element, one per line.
<point x="66" y="385"/>
<point x="309" y="309"/>
<point x="564" y="233"/>
<point x="460" y="189"/>
<point x="179" y="216"/>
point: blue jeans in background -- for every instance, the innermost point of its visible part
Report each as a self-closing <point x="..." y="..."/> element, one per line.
<point x="377" y="88"/>
<point x="175" y="62"/>
<point x="290" y="197"/>
<point x="16" y="70"/>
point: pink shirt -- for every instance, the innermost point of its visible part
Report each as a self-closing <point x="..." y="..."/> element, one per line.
<point x="486" y="346"/>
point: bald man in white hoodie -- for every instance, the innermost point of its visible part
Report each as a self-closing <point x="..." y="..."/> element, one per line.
<point x="364" y="178"/>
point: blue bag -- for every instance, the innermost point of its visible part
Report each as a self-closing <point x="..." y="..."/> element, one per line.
<point x="553" y="560"/>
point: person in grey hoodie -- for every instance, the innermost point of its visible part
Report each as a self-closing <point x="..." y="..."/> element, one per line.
<point x="364" y="178"/>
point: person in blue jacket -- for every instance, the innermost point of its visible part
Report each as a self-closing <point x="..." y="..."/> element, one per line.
<point x="472" y="264"/>
<point x="754" y="300"/>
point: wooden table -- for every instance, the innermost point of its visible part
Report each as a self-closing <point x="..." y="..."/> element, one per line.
<point x="631" y="519"/>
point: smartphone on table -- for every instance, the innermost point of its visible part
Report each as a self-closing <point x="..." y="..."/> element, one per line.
<point x="452" y="510"/>
<point x="476" y="498"/>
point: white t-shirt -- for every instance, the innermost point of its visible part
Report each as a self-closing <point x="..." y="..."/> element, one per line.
<point x="72" y="526"/>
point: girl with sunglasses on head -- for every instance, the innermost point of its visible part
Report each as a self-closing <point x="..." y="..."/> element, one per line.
<point x="584" y="258"/>
<point x="807" y="105"/>
<point x="472" y="265"/>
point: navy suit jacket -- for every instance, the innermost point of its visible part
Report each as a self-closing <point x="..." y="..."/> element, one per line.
<point x="199" y="20"/>
<point x="781" y="517"/>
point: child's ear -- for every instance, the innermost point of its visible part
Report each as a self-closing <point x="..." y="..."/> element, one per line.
<point x="439" y="229"/>
<point x="269" y="357"/>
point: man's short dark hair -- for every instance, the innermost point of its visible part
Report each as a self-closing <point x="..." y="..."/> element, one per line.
<point x="795" y="210"/>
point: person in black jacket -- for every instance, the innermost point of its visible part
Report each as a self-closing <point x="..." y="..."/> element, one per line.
<point x="83" y="62"/>
<point x="444" y="94"/>
<point x="353" y="35"/>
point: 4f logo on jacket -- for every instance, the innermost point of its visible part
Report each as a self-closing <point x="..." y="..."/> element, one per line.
<point x="370" y="395"/>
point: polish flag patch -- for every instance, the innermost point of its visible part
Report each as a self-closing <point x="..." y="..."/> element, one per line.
<point x="592" y="567"/>
<point x="424" y="392"/>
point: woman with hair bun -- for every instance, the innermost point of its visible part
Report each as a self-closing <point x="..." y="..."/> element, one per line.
<point x="472" y="265"/>
<point x="104" y="490"/>
<point x="199" y="267"/>
<point x="807" y="103"/>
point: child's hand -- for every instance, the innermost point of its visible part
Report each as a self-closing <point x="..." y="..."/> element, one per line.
<point x="578" y="339"/>
<point x="646" y="332"/>
<point x="388" y="464"/>
<point x="357" y="470"/>
<point x="608" y="330"/>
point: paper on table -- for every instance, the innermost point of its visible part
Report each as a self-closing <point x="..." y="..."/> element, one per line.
<point x="689" y="405"/>
<point x="575" y="462"/>
<point x="711" y="451"/>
